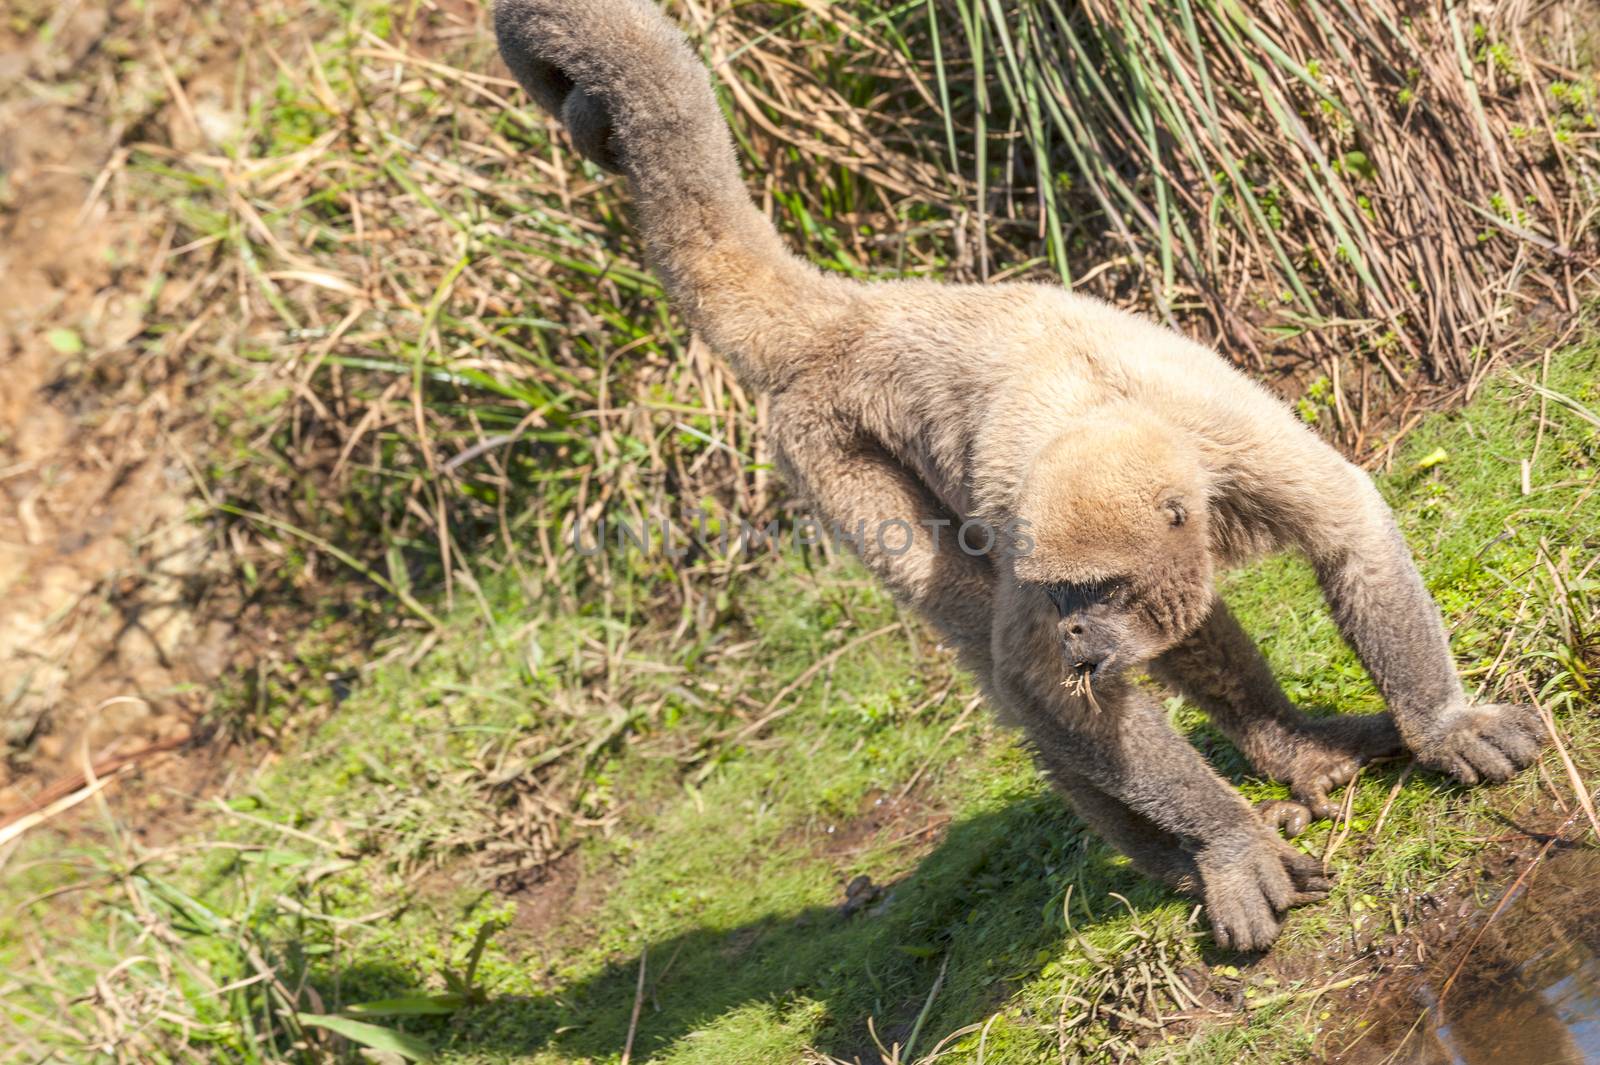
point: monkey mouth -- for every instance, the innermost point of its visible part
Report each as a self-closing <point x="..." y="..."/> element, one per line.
<point x="1082" y="677"/>
<point x="1087" y="670"/>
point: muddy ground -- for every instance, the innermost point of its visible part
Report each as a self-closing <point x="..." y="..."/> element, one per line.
<point x="1501" y="967"/>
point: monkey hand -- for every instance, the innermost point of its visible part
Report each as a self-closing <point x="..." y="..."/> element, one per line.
<point x="1480" y="743"/>
<point x="1248" y="884"/>
<point x="1323" y="754"/>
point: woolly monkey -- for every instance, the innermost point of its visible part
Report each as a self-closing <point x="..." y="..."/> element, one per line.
<point x="1135" y="462"/>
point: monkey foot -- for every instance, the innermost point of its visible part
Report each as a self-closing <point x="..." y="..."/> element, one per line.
<point x="1248" y="885"/>
<point x="1482" y="743"/>
<point x="1288" y="817"/>
<point x="1323" y="754"/>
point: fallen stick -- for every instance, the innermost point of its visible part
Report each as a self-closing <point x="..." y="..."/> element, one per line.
<point x="19" y="825"/>
<point x="74" y="783"/>
<point x="638" y="1004"/>
<point x="1314" y="992"/>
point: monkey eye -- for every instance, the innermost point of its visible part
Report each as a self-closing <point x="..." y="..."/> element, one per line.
<point x="1177" y="514"/>
<point x="1072" y="598"/>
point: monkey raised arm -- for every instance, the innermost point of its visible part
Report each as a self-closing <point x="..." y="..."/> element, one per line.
<point x="1331" y="511"/>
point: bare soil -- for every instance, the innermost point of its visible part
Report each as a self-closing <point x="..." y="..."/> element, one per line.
<point x="105" y="647"/>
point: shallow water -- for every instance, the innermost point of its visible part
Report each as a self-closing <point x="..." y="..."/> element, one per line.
<point x="1529" y="993"/>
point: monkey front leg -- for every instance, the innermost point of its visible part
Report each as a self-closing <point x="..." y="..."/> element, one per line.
<point x="1387" y="616"/>
<point x="1141" y="784"/>
<point x="1154" y="851"/>
<point x="1219" y="669"/>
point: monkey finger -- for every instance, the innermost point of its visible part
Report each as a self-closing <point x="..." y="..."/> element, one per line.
<point x="1239" y="905"/>
<point x="1317" y="885"/>
<point x="1489" y="761"/>
<point x="1277" y="889"/>
<point x="1532" y="723"/>
<point x="1459" y="768"/>
<point x="1520" y="741"/>
<point x="1246" y="932"/>
<point x="1260" y="934"/>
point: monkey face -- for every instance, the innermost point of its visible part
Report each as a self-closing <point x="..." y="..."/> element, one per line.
<point x="1095" y="635"/>
<point x="1113" y="623"/>
<point x="1119" y="516"/>
<point x="1120" y="520"/>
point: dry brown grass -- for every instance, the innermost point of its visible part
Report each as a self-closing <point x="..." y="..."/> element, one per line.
<point x="422" y="306"/>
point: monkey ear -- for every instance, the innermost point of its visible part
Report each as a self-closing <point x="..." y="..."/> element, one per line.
<point x="1177" y="513"/>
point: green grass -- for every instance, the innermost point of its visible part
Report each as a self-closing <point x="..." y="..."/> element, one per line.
<point x="361" y="865"/>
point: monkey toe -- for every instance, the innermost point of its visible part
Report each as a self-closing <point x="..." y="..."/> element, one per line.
<point x="1327" y="752"/>
<point x="1290" y="818"/>
<point x="1313" y="774"/>
<point x="1312" y="795"/>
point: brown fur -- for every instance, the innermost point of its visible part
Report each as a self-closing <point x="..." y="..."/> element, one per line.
<point x="1138" y="463"/>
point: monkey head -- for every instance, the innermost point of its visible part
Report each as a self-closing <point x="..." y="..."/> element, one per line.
<point x="1117" y="509"/>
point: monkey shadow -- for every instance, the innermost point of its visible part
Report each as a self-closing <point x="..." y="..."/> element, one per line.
<point x="984" y="908"/>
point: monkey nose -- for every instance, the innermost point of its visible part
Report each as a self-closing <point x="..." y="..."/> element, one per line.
<point x="1084" y="656"/>
<point x="1087" y="651"/>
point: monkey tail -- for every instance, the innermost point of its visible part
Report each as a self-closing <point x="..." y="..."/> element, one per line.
<point x="636" y="99"/>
